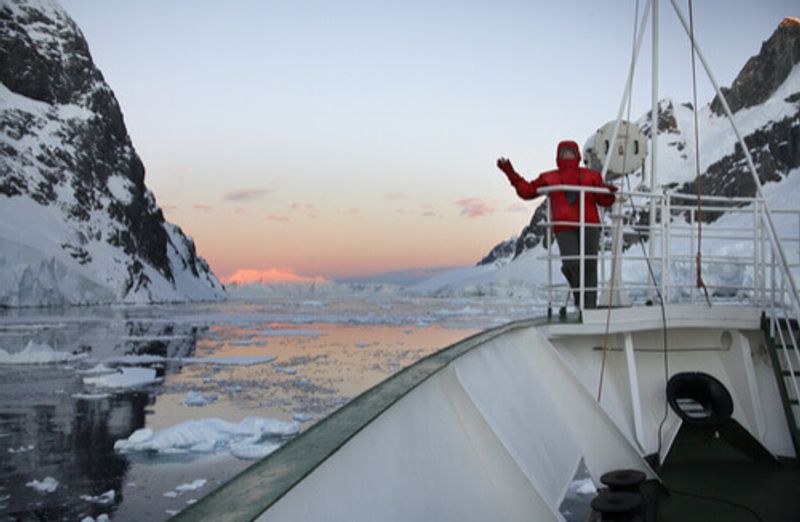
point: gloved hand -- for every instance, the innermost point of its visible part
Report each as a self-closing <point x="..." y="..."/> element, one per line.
<point x="505" y="165"/>
<point x="612" y="188"/>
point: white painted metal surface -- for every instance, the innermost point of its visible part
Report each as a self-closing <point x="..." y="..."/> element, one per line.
<point x="497" y="435"/>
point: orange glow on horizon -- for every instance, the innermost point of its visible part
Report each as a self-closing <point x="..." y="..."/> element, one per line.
<point x="272" y="275"/>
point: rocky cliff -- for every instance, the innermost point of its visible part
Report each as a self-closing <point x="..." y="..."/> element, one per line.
<point x="77" y="222"/>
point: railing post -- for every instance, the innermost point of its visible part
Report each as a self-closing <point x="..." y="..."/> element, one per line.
<point x="666" y="218"/>
<point x="664" y="241"/>
<point x="756" y="261"/>
<point x="582" y="279"/>
<point x="549" y="233"/>
<point x="691" y="253"/>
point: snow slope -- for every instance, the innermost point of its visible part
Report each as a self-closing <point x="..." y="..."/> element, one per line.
<point x="77" y="223"/>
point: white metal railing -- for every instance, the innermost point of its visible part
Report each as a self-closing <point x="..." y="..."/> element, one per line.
<point x="739" y="262"/>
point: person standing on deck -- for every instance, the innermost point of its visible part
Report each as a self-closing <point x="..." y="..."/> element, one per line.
<point x="565" y="208"/>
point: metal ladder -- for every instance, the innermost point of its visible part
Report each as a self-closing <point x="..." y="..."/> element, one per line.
<point x="783" y="338"/>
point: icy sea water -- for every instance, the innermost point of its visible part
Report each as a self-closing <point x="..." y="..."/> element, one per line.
<point x="291" y="360"/>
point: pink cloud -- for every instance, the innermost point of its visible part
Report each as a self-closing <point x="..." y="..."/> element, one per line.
<point x="270" y="275"/>
<point x="204" y="208"/>
<point x="245" y="194"/>
<point x="474" y="207"/>
<point x="273" y="217"/>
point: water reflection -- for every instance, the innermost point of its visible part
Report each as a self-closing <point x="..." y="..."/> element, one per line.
<point x="47" y="433"/>
<point x="49" y="429"/>
<point x="327" y="352"/>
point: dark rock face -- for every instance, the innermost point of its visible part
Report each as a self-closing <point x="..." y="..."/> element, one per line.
<point x="532" y="234"/>
<point x="765" y="72"/>
<point x="775" y="150"/>
<point x="667" y="124"/>
<point x="56" y="70"/>
<point x="80" y="144"/>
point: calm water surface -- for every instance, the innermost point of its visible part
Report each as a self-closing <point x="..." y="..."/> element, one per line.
<point x="327" y="351"/>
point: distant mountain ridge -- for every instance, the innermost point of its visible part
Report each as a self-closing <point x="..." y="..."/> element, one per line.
<point x="769" y="119"/>
<point x="77" y="222"/>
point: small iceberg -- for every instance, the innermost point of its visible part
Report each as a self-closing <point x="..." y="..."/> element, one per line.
<point x="194" y="398"/>
<point x="211" y="436"/>
<point x="183" y="488"/>
<point x="35" y="353"/>
<point x="124" y="378"/>
<point x="48" y="485"/>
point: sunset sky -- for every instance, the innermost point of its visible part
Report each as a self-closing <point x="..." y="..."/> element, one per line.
<point x="341" y="139"/>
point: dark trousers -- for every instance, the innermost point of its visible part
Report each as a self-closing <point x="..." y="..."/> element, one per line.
<point x="569" y="244"/>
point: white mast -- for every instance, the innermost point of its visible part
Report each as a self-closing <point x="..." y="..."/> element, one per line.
<point x="653" y="140"/>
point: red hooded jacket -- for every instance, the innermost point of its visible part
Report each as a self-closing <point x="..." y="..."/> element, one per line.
<point x="568" y="173"/>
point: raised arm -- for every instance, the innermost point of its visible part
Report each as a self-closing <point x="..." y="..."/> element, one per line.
<point x="525" y="189"/>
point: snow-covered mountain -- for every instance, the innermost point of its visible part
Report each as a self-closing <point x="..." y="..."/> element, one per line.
<point x="77" y="223"/>
<point x="765" y="98"/>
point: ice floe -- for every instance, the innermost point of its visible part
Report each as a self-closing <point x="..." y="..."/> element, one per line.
<point x="47" y="485"/>
<point x="91" y="396"/>
<point x="289" y="332"/>
<point x="194" y="398"/>
<point x="35" y="353"/>
<point x="209" y="436"/>
<point x="283" y="369"/>
<point x="233" y="360"/>
<point x="583" y="487"/>
<point x="124" y="378"/>
<point x="104" y="498"/>
<point x="21" y="449"/>
<point x="96" y="370"/>
<point x="183" y="488"/>
<point x="100" y="518"/>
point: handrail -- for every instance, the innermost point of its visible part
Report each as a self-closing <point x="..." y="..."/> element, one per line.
<point x="674" y="241"/>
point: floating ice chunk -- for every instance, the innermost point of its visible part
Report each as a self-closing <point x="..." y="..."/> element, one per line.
<point x="103" y="498"/>
<point x="302" y="417"/>
<point x="194" y="398"/>
<point x="206" y="435"/>
<point x="100" y="518"/>
<point x="98" y="369"/>
<point x="242" y="342"/>
<point x="233" y="360"/>
<point x="124" y="378"/>
<point x="35" y="353"/>
<point x="583" y="487"/>
<point x="21" y="449"/>
<point x="253" y="451"/>
<point x="183" y="488"/>
<point x="362" y="345"/>
<point x="151" y="338"/>
<point x="91" y="396"/>
<point x="191" y="486"/>
<point x="48" y="485"/>
<point x="289" y="332"/>
<point x="283" y="369"/>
